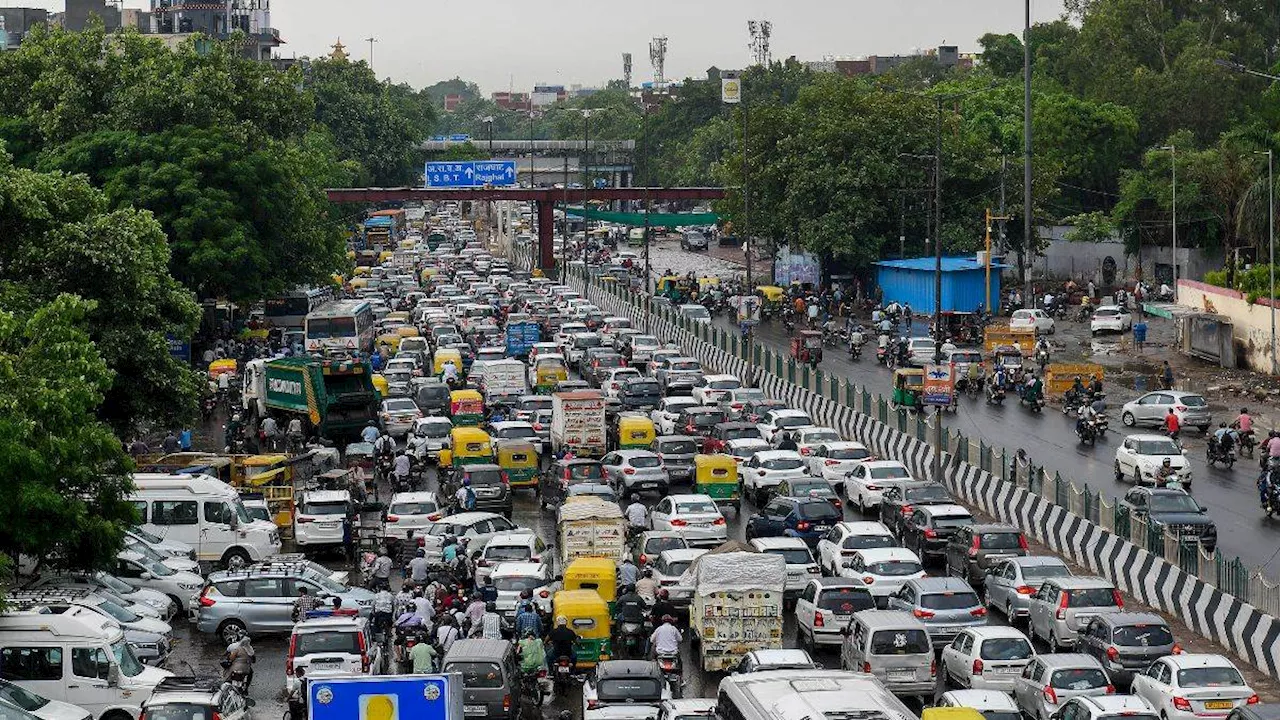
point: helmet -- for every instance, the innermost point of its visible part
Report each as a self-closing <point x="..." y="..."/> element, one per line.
<point x="663" y="594"/>
<point x="466" y="482"/>
<point x="525" y="606"/>
<point x="668" y="619"/>
<point x="372" y="424"/>
<point x="422" y="552"/>
<point x="491" y="606"/>
<point x="647" y="572"/>
<point x="562" y="621"/>
<point x="628" y="589"/>
<point x="1166" y="461"/>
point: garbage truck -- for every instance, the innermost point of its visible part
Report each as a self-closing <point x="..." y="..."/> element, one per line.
<point x="335" y="399"/>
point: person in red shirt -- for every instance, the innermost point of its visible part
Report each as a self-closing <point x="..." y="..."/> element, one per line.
<point x="1172" y="424"/>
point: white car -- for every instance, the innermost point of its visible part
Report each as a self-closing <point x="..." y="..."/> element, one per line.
<point x="510" y="579"/>
<point x="743" y="449"/>
<point x="320" y="517"/>
<point x="39" y="706"/>
<point x="775" y="422"/>
<point x="921" y="351"/>
<point x="993" y="705"/>
<point x="986" y="658"/>
<point x="144" y="573"/>
<point x="516" y="430"/>
<point x="832" y="461"/>
<point x="695" y="517"/>
<point x="765" y="470"/>
<point x="1193" y="687"/>
<point x="801" y="567"/>
<point x="867" y="482"/>
<point x="696" y="313"/>
<point x="477" y="527"/>
<point x="1139" y="458"/>
<point x="809" y="438"/>
<point x="398" y="415"/>
<point x="883" y="570"/>
<point x="511" y="546"/>
<point x="732" y="401"/>
<point x="671" y="564"/>
<point x="664" y="418"/>
<point x="846" y="538"/>
<point x="1110" y="318"/>
<point x="411" y="511"/>
<point x="1031" y="319"/>
<point x="616" y="378"/>
<point x="566" y="333"/>
<point x="709" y="389"/>
<point x="430" y="435"/>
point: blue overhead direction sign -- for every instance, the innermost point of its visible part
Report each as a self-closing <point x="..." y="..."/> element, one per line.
<point x="460" y="138"/>
<point x="471" y="173"/>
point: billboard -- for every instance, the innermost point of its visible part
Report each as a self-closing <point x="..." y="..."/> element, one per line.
<point x="797" y="266"/>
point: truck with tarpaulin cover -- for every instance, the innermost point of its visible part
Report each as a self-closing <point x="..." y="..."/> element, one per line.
<point x="737" y="604"/>
<point x="334" y="398"/>
<point x="577" y="423"/>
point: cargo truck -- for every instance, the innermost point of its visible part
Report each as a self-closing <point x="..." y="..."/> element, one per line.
<point x="335" y="399"/>
<point x="737" y="605"/>
<point x="577" y="423"/>
<point x="591" y="527"/>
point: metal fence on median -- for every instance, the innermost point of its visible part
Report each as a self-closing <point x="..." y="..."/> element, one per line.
<point x="1230" y="575"/>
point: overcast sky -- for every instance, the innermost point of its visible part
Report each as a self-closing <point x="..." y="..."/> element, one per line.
<point x="503" y="44"/>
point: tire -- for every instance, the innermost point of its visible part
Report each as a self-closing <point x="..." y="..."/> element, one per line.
<point x="1119" y="473"/>
<point x="1128" y="419"/>
<point x="1008" y="612"/>
<point x="1137" y="477"/>
<point x="235" y="559"/>
<point x="231" y="630"/>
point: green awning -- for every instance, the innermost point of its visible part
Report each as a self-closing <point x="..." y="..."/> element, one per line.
<point x="655" y="219"/>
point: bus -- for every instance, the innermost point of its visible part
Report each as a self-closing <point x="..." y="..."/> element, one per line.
<point x="344" y="327"/>
<point x="290" y="310"/>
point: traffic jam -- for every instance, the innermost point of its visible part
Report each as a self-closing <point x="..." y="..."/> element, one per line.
<point x="466" y="468"/>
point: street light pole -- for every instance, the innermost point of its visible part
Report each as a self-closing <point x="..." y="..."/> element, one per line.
<point x="937" y="282"/>
<point x="648" y="269"/>
<point x="1027" y="201"/>
<point x="1173" y="153"/>
<point x="586" y="178"/>
<point x="1271" y="243"/>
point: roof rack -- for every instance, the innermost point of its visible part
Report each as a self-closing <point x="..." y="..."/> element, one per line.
<point x="191" y="682"/>
<point x="48" y="594"/>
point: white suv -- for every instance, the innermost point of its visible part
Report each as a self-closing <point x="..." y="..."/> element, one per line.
<point x="329" y="644"/>
<point x="320" y="518"/>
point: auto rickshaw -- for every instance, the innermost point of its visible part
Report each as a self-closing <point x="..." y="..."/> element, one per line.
<point x="548" y="371"/>
<point x="519" y="460"/>
<point x="716" y="476"/>
<point x="634" y="432"/>
<point x="908" y="388"/>
<point x="707" y="284"/>
<point x="389" y="341"/>
<point x="467" y="446"/>
<point x="466" y="407"/>
<point x="226" y="366"/>
<point x="593" y="573"/>
<point x="771" y="299"/>
<point x="381" y="385"/>
<point x="587" y="615"/>
<point x="444" y="355"/>
<point x="806" y="347"/>
<point x="1010" y="359"/>
<point x="669" y="286"/>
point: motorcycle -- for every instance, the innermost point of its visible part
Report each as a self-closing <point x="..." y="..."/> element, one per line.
<point x="1089" y="431"/>
<point x="1034" y="402"/>
<point x="563" y="675"/>
<point x="672" y="672"/>
<point x="1216" y="453"/>
<point x="1072" y="404"/>
<point x="995" y="394"/>
<point x="1042" y="358"/>
<point x="1247" y="443"/>
<point x="531" y="694"/>
<point x="209" y="407"/>
<point x="632" y="634"/>
<point x="855" y="351"/>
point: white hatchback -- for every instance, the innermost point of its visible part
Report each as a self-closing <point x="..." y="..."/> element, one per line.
<point x="883" y="570"/>
<point x="846" y="538"/>
<point x="411" y="511"/>
<point x="867" y="482"/>
<point x="986" y="658"/>
<point x="1032" y="319"/>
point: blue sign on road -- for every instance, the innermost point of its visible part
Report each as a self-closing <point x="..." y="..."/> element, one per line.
<point x="459" y="138"/>
<point x="386" y="697"/>
<point x="471" y="173"/>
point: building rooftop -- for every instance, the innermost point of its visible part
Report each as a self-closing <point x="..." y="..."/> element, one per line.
<point x="949" y="264"/>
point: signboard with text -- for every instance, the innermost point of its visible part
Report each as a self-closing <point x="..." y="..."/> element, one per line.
<point x="472" y="173"/>
<point x="939" y="384"/>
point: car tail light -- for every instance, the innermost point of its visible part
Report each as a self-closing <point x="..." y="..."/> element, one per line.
<point x="806" y="451"/>
<point x="205" y="600"/>
<point x="1177" y="649"/>
<point x="362" y="644"/>
<point x="506" y="479"/>
<point x="978" y="612"/>
<point x="818" y="620"/>
<point x="1022" y="541"/>
<point x="736" y="406"/>
<point x="678" y="523"/>
<point x="644" y="559"/>
<point x="802" y="526"/>
<point x="922" y="614"/>
<point x="301" y="519"/>
<point x="1062" y="607"/>
<point x="1119" y="600"/>
<point x="930" y="533"/>
<point x="537" y="426"/>
<point x="1253" y="700"/>
<point x="1113" y="654"/>
<point x="1050" y="696"/>
<point x="977" y="666"/>
<point x="973" y="549"/>
<point x="866" y="667"/>
<point x="1111" y="689"/>
<point x="873" y="487"/>
<point x="288" y="663"/>
<point x="868" y="580"/>
<point x="718" y="521"/>
<point x="1025" y="590"/>
<point x="629" y="471"/>
<point x="1180" y="408"/>
<point x="829" y="463"/>
<point x="1182" y="704"/>
<point x="393" y="518"/>
<point x="591" y="704"/>
<point x="506" y="703"/>
<point x="933" y="667"/>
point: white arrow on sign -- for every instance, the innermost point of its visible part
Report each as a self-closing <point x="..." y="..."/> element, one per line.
<point x="468" y="172"/>
<point x="510" y="171"/>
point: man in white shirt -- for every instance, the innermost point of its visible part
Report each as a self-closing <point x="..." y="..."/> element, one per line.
<point x="666" y="638"/>
<point x="637" y="515"/>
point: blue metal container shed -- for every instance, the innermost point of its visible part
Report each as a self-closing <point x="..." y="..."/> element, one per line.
<point x="964" y="283"/>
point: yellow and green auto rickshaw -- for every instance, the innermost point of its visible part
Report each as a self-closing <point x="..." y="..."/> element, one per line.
<point x="588" y="615"/>
<point x="467" y="446"/>
<point x="908" y="388"/>
<point x="771" y="299"/>
<point x="549" y="370"/>
<point x="519" y="462"/>
<point x="717" y="477"/>
<point x="466" y="407"/>
<point x="669" y="286"/>
<point x="634" y="431"/>
<point x="444" y="355"/>
<point x="593" y="573"/>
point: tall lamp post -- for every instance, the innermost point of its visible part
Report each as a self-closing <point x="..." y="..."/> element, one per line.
<point x="648" y="268"/>
<point x="1027" y="200"/>
<point x="1271" y="244"/>
<point x="1173" y="153"/>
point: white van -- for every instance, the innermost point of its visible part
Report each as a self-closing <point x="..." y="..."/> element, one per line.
<point x="205" y="513"/>
<point x="82" y="660"/>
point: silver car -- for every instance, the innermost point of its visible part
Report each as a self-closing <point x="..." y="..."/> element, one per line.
<point x="1010" y="583"/>
<point x="634" y="471"/>
<point x="1054" y="678"/>
<point x="258" y="601"/>
<point x="1063" y="605"/>
<point x="1151" y="409"/>
<point x="944" y="604"/>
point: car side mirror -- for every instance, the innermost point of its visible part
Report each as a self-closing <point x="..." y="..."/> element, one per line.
<point x="144" y="576"/>
<point x="113" y="675"/>
<point x="235" y="522"/>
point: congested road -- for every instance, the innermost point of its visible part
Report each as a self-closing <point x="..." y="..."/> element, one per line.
<point x="1049" y="437"/>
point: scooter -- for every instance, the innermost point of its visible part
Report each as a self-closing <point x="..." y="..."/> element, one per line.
<point x="1216" y="453"/>
<point x="1042" y="358"/>
<point x="1034" y="402"/>
<point x="995" y="394"/>
<point x="672" y="672"/>
<point x="562" y="675"/>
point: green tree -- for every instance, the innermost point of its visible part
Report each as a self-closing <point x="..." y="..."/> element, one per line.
<point x="457" y="86"/>
<point x="1002" y="54"/>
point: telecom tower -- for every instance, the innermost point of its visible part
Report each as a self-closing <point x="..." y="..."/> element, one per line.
<point x="761" y="31"/>
<point x="626" y="69"/>
<point x="658" y="56"/>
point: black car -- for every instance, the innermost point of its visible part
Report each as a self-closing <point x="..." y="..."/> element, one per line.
<point x="898" y="502"/>
<point x="640" y="393"/>
<point x="1126" y="642"/>
<point x="553" y="484"/>
<point x="431" y="397"/>
<point x="1174" y="510"/>
<point x="699" y="420"/>
<point x="806" y="519"/>
<point x="927" y="530"/>
<point x="493" y="493"/>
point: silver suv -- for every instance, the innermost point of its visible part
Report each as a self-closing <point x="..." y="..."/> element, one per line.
<point x="260" y="599"/>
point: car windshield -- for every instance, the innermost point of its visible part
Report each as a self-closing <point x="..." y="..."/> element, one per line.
<point x="424" y="507"/>
<point x="687" y="366"/>
<point x="1142" y="635"/>
<point x="1106" y="312"/>
<point x="952" y="521"/>
<point x="889" y="472"/>
<point x="345" y="642"/>
<point x="677" y="567"/>
<point x="129" y="664"/>
<point x="1040" y="572"/>
<point x="689" y="507"/>
<point x="518" y="583"/>
<point x="1006" y="649"/>
<point x="820" y="512"/>
<point x="746" y="394"/>
<point x="586" y="341"/>
<point x="628" y="688"/>
<point x="485" y="477"/>
<point x="507" y="552"/>
<point x="794" y="421"/>
<point x="678" y="447"/>
<point x="848" y="453"/>
<point x="22" y="698"/>
<point x="958" y="600"/>
<point x="706" y="419"/>
<point x="805" y="487"/>
<point x="1157" y="446"/>
<point x="895" y="568"/>
<point x="1174" y="503"/>
<point x="587" y="471"/>
<point x="646" y="461"/>
<point x="156" y="568"/>
<point x="1079" y="679"/>
<point x="901" y="642"/>
<point x="335" y="507"/>
<point x="644" y="342"/>
<point x="749" y="431"/>
<point x="114" y="583"/>
<point x="845" y="602"/>
<point x="655" y="545"/>
<point x="1001" y="715"/>
<point x="1000" y="541"/>
<point x="864" y="542"/>
<point x="148" y="536"/>
<point x="782" y="464"/>
<point x="400" y="406"/>
<point x="520" y="431"/>
<point x="647" y="387"/>
<point x="935" y="493"/>
<point x="477" y="675"/>
<point x="1208" y="677"/>
<point x="1091" y="597"/>
<point x="723" y="384"/>
<point x="1127" y="715"/>
<point x="792" y="556"/>
<point x="1192" y="401"/>
<point x="117" y="612"/>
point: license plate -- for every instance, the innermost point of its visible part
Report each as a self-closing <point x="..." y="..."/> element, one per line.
<point x="1008" y="670"/>
<point x="948" y="630"/>
<point x="1218" y="705"/>
<point x="901" y="675"/>
<point x="475" y="709"/>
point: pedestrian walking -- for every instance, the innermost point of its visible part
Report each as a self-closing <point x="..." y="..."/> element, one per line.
<point x="1166" y="376"/>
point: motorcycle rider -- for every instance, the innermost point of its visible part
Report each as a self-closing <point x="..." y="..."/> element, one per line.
<point x="662" y="607"/>
<point x="401" y="469"/>
<point x="489" y="626"/>
<point x="1086" y="416"/>
<point x="1077" y="392"/>
<point x="527" y="619"/>
<point x="1042" y="346"/>
<point x="562" y="639"/>
<point x="370" y="432"/>
<point x="637" y="516"/>
<point x="533" y="654"/>
<point x="628" y="609"/>
<point x="665" y="639"/>
<point x="1243" y="423"/>
<point x="380" y="571"/>
<point x="628" y="573"/>
<point x="1165" y="473"/>
<point x="647" y="587"/>
<point x="1224" y="437"/>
